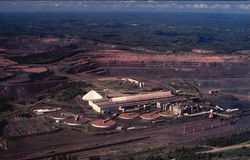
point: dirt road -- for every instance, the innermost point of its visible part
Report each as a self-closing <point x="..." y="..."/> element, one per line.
<point x="220" y="149"/>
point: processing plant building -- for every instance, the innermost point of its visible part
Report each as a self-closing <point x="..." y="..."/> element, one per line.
<point x="116" y="104"/>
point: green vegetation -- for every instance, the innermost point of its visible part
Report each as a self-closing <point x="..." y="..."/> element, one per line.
<point x="179" y="153"/>
<point x="110" y="84"/>
<point x="58" y="78"/>
<point x="156" y="89"/>
<point x="165" y="32"/>
<point x="64" y="157"/>
<point x="48" y="57"/>
<point x="26" y="115"/>
<point x="6" y="78"/>
<point x="94" y="158"/>
<point x="153" y="157"/>
<point x="242" y="153"/>
<point x="183" y="86"/>
<point x="5" y="106"/>
<point x="68" y="91"/>
<point x="230" y="139"/>
<point x="239" y="154"/>
<point x="227" y="97"/>
<point x="3" y="123"/>
<point x="185" y="153"/>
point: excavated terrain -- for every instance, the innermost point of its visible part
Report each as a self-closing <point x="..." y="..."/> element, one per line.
<point x="94" y="59"/>
<point x="190" y="65"/>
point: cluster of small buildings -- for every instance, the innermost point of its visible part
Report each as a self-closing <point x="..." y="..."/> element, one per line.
<point x="71" y="119"/>
<point x="67" y="118"/>
<point x="182" y="107"/>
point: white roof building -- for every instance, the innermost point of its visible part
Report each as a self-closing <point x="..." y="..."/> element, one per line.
<point x="92" y="95"/>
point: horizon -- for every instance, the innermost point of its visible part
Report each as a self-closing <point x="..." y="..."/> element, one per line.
<point x="126" y="6"/>
<point x="172" y="12"/>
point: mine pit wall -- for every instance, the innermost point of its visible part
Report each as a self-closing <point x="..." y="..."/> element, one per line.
<point x="82" y="68"/>
<point x="202" y="70"/>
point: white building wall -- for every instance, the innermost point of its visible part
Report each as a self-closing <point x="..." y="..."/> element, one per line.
<point x="95" y="107"/>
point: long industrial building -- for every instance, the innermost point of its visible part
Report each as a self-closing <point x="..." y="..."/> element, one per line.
<point x="114" y="104"/>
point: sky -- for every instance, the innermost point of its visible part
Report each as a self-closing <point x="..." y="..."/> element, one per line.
<point x="126" y="6"/>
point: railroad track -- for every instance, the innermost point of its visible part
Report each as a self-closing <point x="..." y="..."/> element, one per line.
<point x="89" y="148"/>
<point x="87" y="143"/>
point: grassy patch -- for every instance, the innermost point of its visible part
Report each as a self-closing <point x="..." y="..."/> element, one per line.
<point x="114" y="85"/>
<point x="68" y="91"/>
<point x="183" y="88"/>
<point x="181" y="85"/>
<point x="230" y="139"/>
<point x="242" y="153"/>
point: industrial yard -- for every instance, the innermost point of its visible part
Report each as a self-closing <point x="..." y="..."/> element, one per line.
<point x="125" y="86"/>
<point x="118" y="107"/>
<point x="84" y="109"/>
<point x="92" y="113"/>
